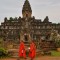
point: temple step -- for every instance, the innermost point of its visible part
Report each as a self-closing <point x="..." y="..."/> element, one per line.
<point x="14" y="52"/>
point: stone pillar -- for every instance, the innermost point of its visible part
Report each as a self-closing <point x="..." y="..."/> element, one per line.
<point x="21" y="36"/>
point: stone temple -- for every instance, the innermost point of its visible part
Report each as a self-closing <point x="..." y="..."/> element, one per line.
<point x="27" y="27"/>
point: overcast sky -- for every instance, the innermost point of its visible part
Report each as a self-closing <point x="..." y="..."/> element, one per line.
<point x="40" y="9"/>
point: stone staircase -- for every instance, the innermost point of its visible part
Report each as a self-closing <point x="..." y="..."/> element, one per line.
<point x="14" y="52"/>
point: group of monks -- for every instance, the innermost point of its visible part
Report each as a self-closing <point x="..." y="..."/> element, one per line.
<point x="32" y="50"/>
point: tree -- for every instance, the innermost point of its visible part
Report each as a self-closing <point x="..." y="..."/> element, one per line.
<point x="55" y="37"/>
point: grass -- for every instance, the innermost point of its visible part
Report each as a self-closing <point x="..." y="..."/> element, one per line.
<point x="55" y="53"/>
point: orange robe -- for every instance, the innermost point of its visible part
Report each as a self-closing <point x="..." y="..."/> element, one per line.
<point x="22" y="51"/>
<point x="32" y="52"/>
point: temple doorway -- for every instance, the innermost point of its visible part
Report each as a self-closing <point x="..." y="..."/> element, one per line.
<point x="26" y="37"/>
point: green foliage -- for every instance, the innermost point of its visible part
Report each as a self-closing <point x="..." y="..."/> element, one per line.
<point x="1" y="42"/>
<point x="55" y="53"/>
<point x="1" y="38"/>
<point x="55" y="36"/>
<point x="57" y="43"/>
<point x="3" y="52"/>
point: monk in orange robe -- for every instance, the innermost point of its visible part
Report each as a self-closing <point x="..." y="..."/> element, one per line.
<point x="32" y="51"/>
<point x="22" y="51"/>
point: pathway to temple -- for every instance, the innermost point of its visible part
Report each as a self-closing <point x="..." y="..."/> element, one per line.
<point x="37" y="58"/>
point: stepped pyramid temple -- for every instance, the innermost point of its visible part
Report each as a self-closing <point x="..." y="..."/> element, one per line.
<point x="27" y="27"/>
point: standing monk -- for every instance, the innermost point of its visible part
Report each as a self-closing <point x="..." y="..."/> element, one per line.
<point x="32" y="51"/>
<point x="22" y="51"/>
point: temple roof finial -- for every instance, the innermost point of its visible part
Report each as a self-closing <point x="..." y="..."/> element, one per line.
<point x="26" y="6"/>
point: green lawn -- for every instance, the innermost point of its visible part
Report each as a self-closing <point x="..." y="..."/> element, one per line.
<point x="55" y="53"/>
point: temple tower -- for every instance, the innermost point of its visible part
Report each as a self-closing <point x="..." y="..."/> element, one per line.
<point x="25" y="30"/>
<point x="26" y="10"/>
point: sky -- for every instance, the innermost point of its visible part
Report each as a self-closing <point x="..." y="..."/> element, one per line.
<point x="40" y="9"/>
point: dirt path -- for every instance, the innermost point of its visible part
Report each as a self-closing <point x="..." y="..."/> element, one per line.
<point x="48" y="58"/>
<point x="38" y="58"/>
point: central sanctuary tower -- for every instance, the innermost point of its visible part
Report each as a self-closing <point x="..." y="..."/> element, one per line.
<point x="25" y="33"/>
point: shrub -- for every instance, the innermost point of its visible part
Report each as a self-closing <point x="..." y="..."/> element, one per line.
<point x="58" y="43"/>
<point x="3" y="52"/>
